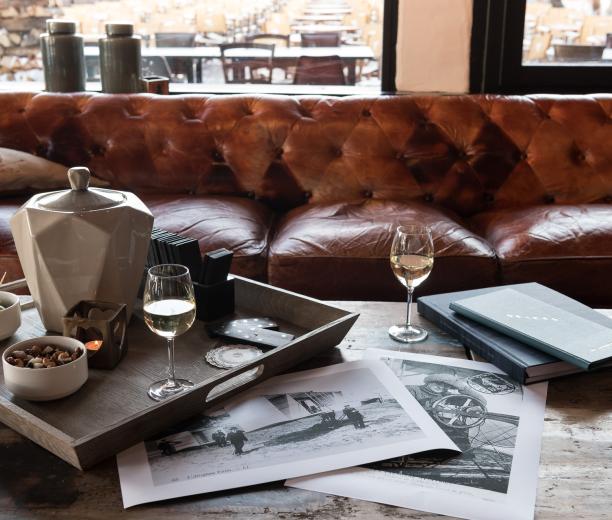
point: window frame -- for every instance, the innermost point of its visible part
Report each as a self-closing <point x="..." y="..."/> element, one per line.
<point x="496" y="57"/>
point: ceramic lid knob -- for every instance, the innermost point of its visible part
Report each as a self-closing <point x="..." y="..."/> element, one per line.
<point x="79" y="178"/>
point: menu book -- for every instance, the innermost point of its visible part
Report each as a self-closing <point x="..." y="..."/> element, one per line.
<point x="544" y="326"/>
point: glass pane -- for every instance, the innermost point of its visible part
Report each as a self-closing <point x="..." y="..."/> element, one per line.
<point x="568" y="32"/>
<point x="279" y="43"/>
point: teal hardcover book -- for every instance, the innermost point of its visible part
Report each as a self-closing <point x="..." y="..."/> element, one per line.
<point x="546" y="327"/>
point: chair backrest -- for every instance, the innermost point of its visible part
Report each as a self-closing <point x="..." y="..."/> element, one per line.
<point x="269" y="38"/>
<point x="538" y="46"/>
<point x="322" y="39"/>
<point x="319" y="70"/>
<point x="174" y="39"/>
<point x="595" y="29"/>
<point x="156" y="66"/>
<point x="247" y="66"/>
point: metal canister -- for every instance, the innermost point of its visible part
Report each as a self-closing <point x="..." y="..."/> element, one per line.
<point x="63" y="58"/>
<point x="120" y="59"/>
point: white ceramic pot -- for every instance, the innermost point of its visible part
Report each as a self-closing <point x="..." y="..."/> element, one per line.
<point x="46" y="384"/>
<point x="81" y="244"/>
<point x="10" y="317"/>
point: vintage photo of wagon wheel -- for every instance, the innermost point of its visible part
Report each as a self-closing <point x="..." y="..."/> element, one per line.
<point x="459" y="411"/>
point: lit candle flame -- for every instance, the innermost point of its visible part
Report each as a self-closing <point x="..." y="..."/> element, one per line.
<point x="94" y="345"/>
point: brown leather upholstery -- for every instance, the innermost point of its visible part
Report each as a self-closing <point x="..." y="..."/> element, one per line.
<point x="238" y="224"/>
<point x="471" y="155"/>
<point x="568" y="246"/>
<point x="343" y="249"/>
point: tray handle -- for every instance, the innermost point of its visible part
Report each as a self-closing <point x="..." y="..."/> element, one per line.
<point x="233" y="383"/>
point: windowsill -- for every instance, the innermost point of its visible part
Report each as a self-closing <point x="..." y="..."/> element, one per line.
<point x="202" y="88"/>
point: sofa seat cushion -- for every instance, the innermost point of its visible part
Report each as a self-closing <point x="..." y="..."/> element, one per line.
<point x="568" y="248"/>
<point x="238" y="224"/>
<point x="9" y="262"/>
<point x="341" y="251"/>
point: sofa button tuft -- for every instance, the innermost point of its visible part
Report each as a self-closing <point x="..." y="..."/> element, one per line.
<point x="549" y="198"/>
<point x="489" y="198"/>
<point x="217" y="156"/>
<point x="368" y="194"/>
<point x="366" y="113"/>
<point x="428" y="197"/>
<point x="307" y="195"/>
<point x="279" y="153"/>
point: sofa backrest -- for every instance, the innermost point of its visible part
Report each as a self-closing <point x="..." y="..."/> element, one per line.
<point x="467" y="153"/>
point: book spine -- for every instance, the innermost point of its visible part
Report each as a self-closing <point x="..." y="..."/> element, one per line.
<point x="473" y="342"/>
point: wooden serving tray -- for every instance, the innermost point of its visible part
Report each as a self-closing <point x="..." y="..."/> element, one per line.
<point x="112" y="411"/>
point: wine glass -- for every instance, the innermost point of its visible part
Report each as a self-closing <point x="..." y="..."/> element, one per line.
<point x="169" y="311"/>
<point x="412" y="257"/>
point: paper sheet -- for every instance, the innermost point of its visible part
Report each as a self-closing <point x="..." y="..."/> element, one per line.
<point x="495" y="421"/>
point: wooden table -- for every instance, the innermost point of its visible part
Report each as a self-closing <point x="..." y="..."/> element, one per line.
<point x="283" y="56"/>
<point x="575" y="467"/>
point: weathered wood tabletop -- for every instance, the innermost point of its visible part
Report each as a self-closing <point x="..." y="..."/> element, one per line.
<point x="575" y="468"/>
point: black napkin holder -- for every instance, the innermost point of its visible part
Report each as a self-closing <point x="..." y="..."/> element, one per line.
<point x="214" y="301"/>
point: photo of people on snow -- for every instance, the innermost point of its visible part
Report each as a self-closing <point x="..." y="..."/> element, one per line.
<point x="281" y="427"/>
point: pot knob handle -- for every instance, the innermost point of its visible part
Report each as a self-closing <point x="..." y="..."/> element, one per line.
<point x="79" y="178"/>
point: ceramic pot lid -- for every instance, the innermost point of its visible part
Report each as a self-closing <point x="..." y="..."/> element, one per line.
<point x="81" y="197"/>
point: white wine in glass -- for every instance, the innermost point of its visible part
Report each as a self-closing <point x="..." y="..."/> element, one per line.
<point x="412" y="257"/>
<point x="169" y="310"/>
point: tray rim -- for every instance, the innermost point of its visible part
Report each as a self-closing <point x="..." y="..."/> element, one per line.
<point x="68" y="447"/>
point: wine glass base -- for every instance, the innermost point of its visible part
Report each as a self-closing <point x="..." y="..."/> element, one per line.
<point x="412" y="334"/>
<point x="164" y="389"/>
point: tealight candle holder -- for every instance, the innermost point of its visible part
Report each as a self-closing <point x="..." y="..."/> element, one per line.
<point x="101" y="326"/>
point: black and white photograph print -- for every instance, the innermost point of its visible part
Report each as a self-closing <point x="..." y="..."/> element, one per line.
<point x="495" y="421"/>
<point x="477" y="409"/>
<point x="293" y="425"/>
<point x="284" y="426"/>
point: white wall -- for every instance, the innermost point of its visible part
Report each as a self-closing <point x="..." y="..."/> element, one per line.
<point x="433" y="45"/>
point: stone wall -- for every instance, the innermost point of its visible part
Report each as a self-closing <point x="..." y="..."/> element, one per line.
<point x="21" y="24"/>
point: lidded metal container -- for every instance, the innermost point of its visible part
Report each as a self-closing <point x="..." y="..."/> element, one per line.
<point x="81" y="244"/>
<point x="63" y="57"/>
<point x="120" y="65"/>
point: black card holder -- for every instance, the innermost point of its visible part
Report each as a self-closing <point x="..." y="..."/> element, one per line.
<point x="214" y="301"/>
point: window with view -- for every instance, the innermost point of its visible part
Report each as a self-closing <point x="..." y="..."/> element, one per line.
<point x="202" y="45"/>
<point x="572" y="32"/>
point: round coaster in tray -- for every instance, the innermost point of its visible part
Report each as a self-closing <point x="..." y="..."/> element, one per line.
<point x="231" y="356"/>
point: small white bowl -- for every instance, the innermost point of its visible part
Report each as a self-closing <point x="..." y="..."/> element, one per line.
<point x="10" y="317"/>
<point x="46" y="384"/>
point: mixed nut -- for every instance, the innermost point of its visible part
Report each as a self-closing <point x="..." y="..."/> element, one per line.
<point x="45" y="356"/>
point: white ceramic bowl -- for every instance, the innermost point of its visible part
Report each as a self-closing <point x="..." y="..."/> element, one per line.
<point x="45" y="384"/>
<point x="10" y="317"/>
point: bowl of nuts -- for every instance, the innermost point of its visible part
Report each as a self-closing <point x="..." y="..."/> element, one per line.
<point x="45" y="368"/>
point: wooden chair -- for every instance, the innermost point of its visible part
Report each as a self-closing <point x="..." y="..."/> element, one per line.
<point x="595" y="29"/>
<point x="272" y="38"/>
<point x="539" y="46"/>
<point x="242" y="69"/>
<point x="322" y="39"/>
<point x="319" y="70"/>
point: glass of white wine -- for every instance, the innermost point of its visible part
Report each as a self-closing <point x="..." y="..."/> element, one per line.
<point x="412" y="257"/>
<point x="169" y="311"/>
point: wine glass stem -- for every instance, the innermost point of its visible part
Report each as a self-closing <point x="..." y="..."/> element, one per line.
<point x="409" y="306"/>
<point x="171" y="376"/>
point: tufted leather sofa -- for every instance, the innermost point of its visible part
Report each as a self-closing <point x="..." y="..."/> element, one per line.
<point x="307" y="190"/>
